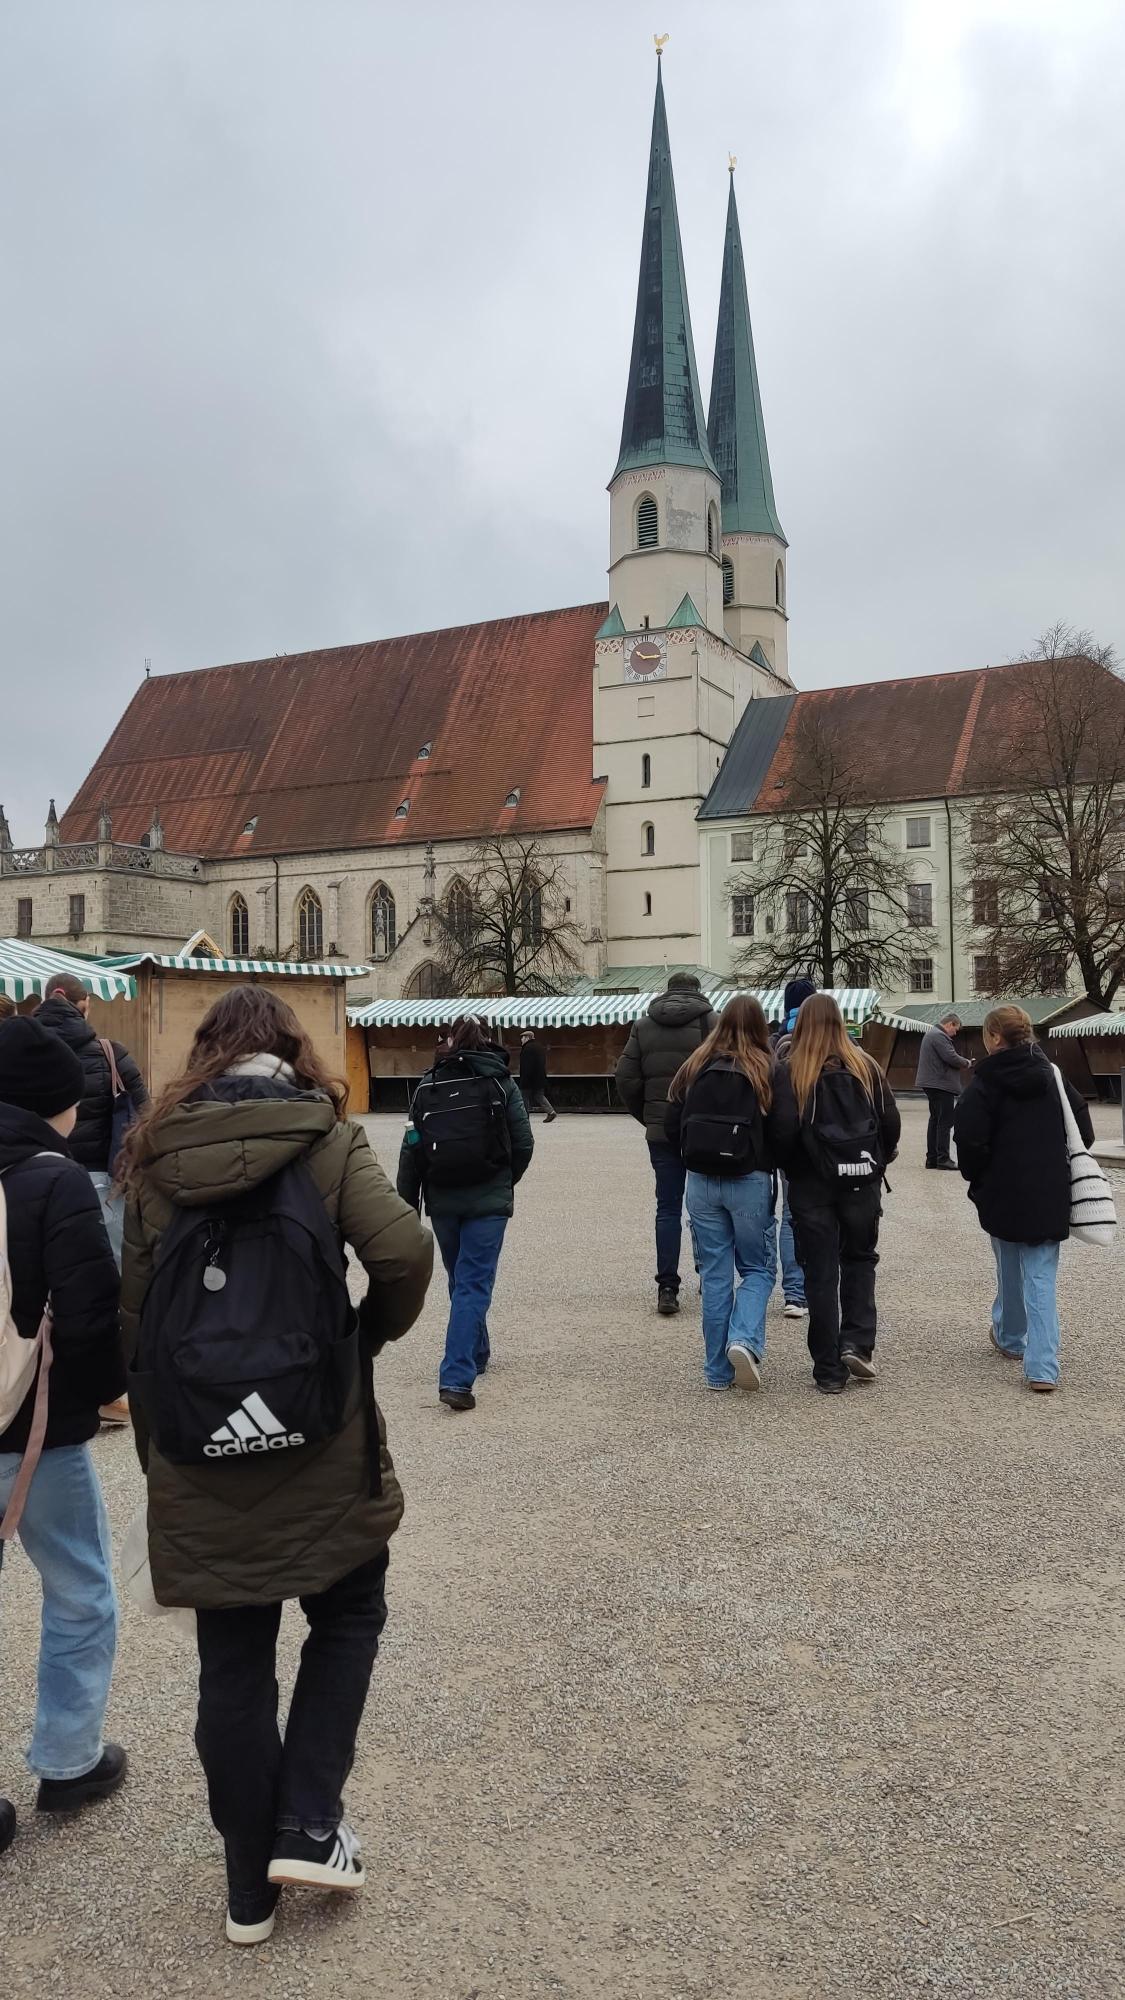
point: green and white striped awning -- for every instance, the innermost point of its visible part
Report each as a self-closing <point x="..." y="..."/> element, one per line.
<point x="1089" y="1025"/>
<point x="293" y="968"/>
<point x="576" y="1010"/>
<point x="28" y="968"/>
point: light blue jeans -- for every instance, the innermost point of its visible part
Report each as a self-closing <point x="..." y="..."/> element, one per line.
<point x="65" y="1532"/>
<point x="1025" y="1314"/>
<point x="792" y="1276"/>
<point x="113" y="1212"/>
<point x="733" y="1229"/>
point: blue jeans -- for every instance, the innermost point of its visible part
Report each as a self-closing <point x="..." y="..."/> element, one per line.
<point x="470" y="1250"/>
<point x="65" y="1532"/>
<point x="1025" y="1314"/>
<point x="792" y="1276"/>
<point x="671" y="1174"/>
<point x="732" y="1223"/>
<point x="113" y="1212"/>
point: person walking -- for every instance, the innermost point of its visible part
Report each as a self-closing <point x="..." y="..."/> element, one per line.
<point x="717" y="1104"/>
<point x="940" y="1073"/>
<point x="533" y="1076"/>
<point x="53" y="1247"/>
<point x="835" y="1126"/>
<point x="1012" y="1151"/>
<point x="677" y="1022"/>
<point x="796" y="992"/>
<point x="65" y="1011"/>
<point x="467" y="1142"/>
<point x="255" y="1420"/>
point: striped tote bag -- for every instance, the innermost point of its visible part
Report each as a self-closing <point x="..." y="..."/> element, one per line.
<point x="1093" y="1217"/>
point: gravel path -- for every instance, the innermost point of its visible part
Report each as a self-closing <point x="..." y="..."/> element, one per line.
<point x="682" y="1694"/>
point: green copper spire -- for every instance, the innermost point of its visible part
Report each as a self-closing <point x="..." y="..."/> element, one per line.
<point x="663" y="408"/>
<point x="736" y="428"/>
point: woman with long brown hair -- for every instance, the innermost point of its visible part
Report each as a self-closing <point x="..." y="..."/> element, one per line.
<point x="256" y="1422"/>
<point x="834" y="1126"/>
<point x="718" y="1101"/>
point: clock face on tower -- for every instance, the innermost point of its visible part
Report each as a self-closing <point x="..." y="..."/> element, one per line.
<point x="646" y="656"/>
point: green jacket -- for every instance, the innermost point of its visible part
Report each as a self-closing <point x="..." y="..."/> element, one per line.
<point x="260" y="1531"/>
<point x="490" y="1197"/>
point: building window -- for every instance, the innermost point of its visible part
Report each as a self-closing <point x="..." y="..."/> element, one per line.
<point x="77" y="916"/>
<point x="779" y="585"/>
<point x="920" y="903"/>
<point x="1050" y="972"/>
<point x="239" y="928"/>
<point x="857" y="971"/>
<point x="648" y="522"/>
<point x="728" y="580"/>
<point x="986" y="904"/>
<point x="425" y="751"/>
<point x="648" y="838"/>
<point x="402" y="808"/>
<point x="531" y="913"/>
<point x="384" y="931"/>
<point x="23" y="916"/>
<point x="648" y="903"/>
<point x="712" y="530"/>
<point x="646" y="769"/>
<point x="921" y="972"/>
<point x="918" y="831"/>
<point x="746" y="846"/>
<point x="795" y="847"/>
<point x="986" y="973"/>
<point x="856" y="838"/>
<point x="983" y="826"/>
<point x="1115" y="889"/>
<point x="857" y="909"/>
<point x="459" y="910"/>
<point x="425" y="984"/>
<point x="310" y="925"/>
<point x="798" y="913"/>
<point x="513" y="798"/>
<point x="742" y="915"/>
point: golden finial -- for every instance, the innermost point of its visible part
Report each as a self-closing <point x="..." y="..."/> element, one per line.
<point x="732" y="162"/>
<point x="659" y="42"/>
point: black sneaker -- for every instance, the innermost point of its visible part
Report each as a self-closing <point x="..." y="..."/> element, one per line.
<point x="67" y="1794"/>
<point x="303" y="1862"/>
<point x="667" y="1300"/>
<point x="457" y="1399"/>
<point x="832" y="1388"/>
<point x="7" y="1823"/>
<point x="860" y="1366"/>
<point x="250" y="1914"/>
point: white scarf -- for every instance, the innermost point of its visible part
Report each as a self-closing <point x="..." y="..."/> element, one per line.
<point x="263" y="1064"/>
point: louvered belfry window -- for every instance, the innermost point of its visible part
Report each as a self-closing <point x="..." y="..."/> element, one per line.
<point x="648" y="523"/>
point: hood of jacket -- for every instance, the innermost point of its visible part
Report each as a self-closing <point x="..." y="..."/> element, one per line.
<point x="24" y="1133"/>
<point x="491" y="1061"/>
<point x="217" y="1147"/>
<point x="679" y="1007"/>
<point x="1020" y="1073"/>
<point x="64" y="1020"/>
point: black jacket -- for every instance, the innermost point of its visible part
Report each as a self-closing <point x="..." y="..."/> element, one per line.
<point x="90" y="1140"/>
<point x="723" y="1092"/>
<point x="1011" y="1146"/>
<point x="57" y="1244"/>
<point x="785" y="1127"/>
<point x="672" y="1030"/>
<point x="533" y="1067"/>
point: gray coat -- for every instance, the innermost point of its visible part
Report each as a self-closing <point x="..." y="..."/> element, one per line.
<point x="939" y="1065"/>
<point x="676" y="1023"/>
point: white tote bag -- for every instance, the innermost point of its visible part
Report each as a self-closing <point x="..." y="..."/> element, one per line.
<point x="1093" y="1217"/>
<point x="136" y="1577"/>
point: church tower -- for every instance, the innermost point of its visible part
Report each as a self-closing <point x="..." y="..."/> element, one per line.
<point x="754" y="547"/>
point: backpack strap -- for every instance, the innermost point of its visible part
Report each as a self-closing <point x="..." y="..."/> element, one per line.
<point x="33" y="1450"/>
<point x="115" y="1083"/>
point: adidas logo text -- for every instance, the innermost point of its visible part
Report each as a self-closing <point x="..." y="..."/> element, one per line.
<point x="251" y="1428"/>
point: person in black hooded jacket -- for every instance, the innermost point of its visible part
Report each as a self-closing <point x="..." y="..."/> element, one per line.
<point x="1011" y="1148"/>
<point x="676" y="1023"/>
<point x="58" y="1249"/>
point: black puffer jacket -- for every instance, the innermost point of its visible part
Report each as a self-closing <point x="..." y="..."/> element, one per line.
<point x="1011" y="1146"/>
<point x="57" y="1244"/>
<point x="676" y="1023"/>
<point x="90" y="1140"/>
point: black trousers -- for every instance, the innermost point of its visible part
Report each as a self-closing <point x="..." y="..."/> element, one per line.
<point x="257" y="1783"/>
<point x="939" y="1127"/>
<point x="836" y="1233"/>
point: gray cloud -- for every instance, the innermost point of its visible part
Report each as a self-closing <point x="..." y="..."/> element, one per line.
<point x="316" y="321"/>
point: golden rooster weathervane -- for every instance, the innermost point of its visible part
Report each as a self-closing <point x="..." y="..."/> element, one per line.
<point x="659" y="42"/>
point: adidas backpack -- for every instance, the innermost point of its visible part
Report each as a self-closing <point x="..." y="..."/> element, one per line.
<point x="462" y="1124"/>
<point x="248" y="1341"/>
<point x="841" y="1131"/>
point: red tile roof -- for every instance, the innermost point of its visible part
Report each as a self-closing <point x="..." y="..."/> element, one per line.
<point x="322" y="747"/>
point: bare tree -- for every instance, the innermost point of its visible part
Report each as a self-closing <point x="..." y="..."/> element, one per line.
<point x="1048" y="853"/>
<point x="825" y="891"/>
<point x="503" y="926"/>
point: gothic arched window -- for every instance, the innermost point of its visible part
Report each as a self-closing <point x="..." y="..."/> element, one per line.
<point x="728" y="580"/>
<point x="426" y="983"/>
<point x="459" y="909"/>
<point x="531" y="913"/>
<point x="648" y="522"/>
<point x="712" y="530"/>
<point x="384" y="934"/>
<point x="648" y="838"/>
<point x="310" y="925"/>
<point x="239" y="928"/>
<point x="779" y="585"/>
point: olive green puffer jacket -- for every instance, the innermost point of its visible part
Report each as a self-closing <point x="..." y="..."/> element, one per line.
<point x="257" y="1531"/>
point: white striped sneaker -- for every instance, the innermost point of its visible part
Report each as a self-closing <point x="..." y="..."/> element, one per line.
<point x="303" y="1862"/>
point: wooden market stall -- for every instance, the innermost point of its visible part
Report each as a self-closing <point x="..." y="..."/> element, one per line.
<point x="894" y="1038"/>
<point x="1091" y="1049"/>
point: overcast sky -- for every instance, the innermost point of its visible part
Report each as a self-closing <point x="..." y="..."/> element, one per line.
<point x="315" y="318"/>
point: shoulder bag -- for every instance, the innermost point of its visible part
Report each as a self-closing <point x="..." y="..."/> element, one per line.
<point x="1093" y="1216"/>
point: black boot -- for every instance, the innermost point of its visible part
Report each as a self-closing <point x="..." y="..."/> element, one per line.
<point x="667" y="1300"/>
<point x="67" y="1794"/>
<point x="7" y="1823"/>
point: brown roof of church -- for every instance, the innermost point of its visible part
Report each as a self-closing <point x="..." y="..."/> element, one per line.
<point x="321" y="748"/>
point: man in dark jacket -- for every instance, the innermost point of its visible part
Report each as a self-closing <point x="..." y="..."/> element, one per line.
<point x="676" y="1023"/>
<point x="533" y="1076"/>
<point x="57" y="1247"/>
<point x="64" y="1012"/>
<point x="940" y="1073"/>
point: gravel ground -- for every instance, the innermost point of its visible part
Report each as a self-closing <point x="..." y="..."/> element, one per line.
<point x="681" y="1694"/>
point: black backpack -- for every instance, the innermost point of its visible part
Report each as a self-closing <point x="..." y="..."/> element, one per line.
<point x="721" y="1126"/>
<point x="248" y="1341"/>
<point x="841" y="1131"/>
<point x="462" y="1124"/>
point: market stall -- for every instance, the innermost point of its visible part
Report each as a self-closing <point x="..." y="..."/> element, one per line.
<point x="894" y="1038"/>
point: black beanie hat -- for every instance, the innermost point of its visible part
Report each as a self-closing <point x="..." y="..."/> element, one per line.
<point x="38" y="1072"/>
<point x="797" y="992"/>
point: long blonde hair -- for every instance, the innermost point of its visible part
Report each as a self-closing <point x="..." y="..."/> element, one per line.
<point x="820" y="1035"/>
<point x="740" y="1036"/>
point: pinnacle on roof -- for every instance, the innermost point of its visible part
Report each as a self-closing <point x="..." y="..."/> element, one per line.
<point x="663" y="408"/>
<point x="736" y="428"/>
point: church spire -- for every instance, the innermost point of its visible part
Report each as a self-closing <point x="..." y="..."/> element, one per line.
<point x="736" y="428"/>
<point x="663" y="407"/>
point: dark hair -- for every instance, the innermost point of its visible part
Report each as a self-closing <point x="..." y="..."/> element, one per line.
<point x="683" y="979"/>
<point x="247" y="1021"/>
<point x="468" y="1032"/>
<point x="7" y="1007"/>
<point x="1012" y="1026"/>
<point x="71" y="988"/>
